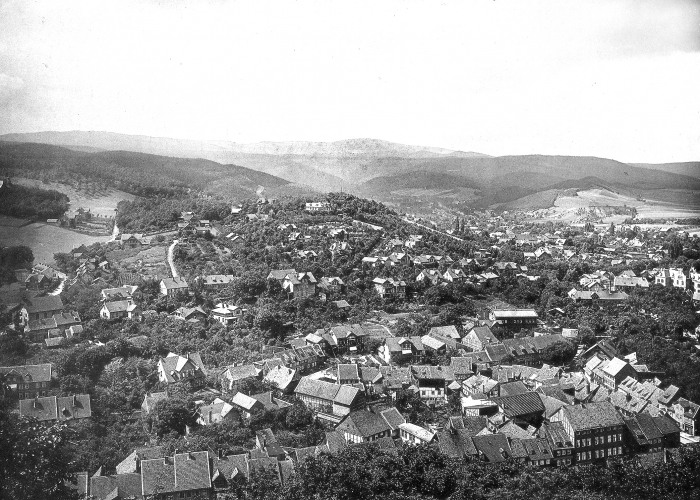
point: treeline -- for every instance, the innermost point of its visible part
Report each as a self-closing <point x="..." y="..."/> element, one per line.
<point x="12" y="258"/>
<point x="136" y="173"/>
<point x="32" y="203"/>
<point x="148" y="214"/>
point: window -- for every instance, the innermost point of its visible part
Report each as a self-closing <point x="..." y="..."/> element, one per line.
<point x="619" y="437"/>
<point x="578" y="456"/>
<point x="589" y="441"/>
<point x="619" y="450"/>
<point x="578" y="443"/>
<point x="609" y="437"/>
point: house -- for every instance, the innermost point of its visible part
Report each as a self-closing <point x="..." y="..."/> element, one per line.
<point x="687" y="415"/>
<point x="318" y="206"/>
<point x="216" y="281"/>
<point x="611" y="373"/>
<point x="37" y="308"/>
<point x="647" y="434"/>
<point x="559" y="442"/>
<point x="347" y="337"/>
<point x="55" y="326"/>
<point x="524" y="409"/>
<point x="132" y="463"/>
<point x="300" y="285"/>
<point x="56" y="409"/>
<point x="402" y="350"/>
<point x="175" y="369"/>
<point x="479" y="337"/>
<point x="415" y="434"/>
<point x="280" y="274"/>
<point x="363" y="426"/>
<point x="493" y="448"/>
<point x="227" y="314"/>
<point x="347" y="374"/>
<point x="120" y="293"/>
<point x="431" y="276"/>
<point x="324" y="397"/>
<point x="171" y="286"/>
<point x="630" y="282"/>
<point x="603" y="297"/>
<point x="119" y="309"/>
<point x="514" y="319"/>
<point x="332" y="284"/>
<point x="283" y="378"/>
<point x="454" y="276"/>
<point x="595" y="429"/>
<point x="479" y="384"/>
<point x="190" y="313"/>
<point x="303" y="359"/>
<point x="215" y="412"/>
<point x="233" y="376"/>
<point x="182" y="474"/>
<point x="389" y="287"/>
<point x="26" y="381"/>
<point x="431" y="382"/>
<point x="449" y="331"/>
<point x="342" y="305"/>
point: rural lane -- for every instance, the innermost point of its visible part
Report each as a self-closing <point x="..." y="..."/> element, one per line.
<point x="171" y="262"/>
<point x="431" y="229"/>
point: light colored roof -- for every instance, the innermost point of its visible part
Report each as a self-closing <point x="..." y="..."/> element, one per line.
<point x="418" y="431"/>
<point x="519" y="313"/>
<point x="614" y="366"/>
<point x="244" y="401"/>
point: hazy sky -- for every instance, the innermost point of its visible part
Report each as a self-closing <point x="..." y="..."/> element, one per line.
<point x="617" y="79"/>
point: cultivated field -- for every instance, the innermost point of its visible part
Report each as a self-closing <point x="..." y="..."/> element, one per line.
<point x="150" y="261"/>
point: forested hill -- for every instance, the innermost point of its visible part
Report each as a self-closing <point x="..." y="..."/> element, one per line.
<point x="137" y="173"/>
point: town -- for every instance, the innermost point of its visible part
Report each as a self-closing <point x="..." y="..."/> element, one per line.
<point x="220" y="351"/>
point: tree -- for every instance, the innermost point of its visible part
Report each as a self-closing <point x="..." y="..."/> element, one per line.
<point x="172" y="415"/>
<point x="33" y="459"/>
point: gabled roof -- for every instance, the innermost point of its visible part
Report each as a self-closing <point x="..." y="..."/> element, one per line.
<point x="493" y="447"/>
<point x="592" y="415"/>
<point x="364" y="423"/>
<point x="456" y="443"/>
<point x="174" y="283"/>
<point x="47" y="303"/>
<point x="520" y="404"/>
<point x="446" y="331"/>
<point x="33" y="373"/>
<point x="183" y="472"/>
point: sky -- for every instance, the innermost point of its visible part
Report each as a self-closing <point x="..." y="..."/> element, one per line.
<point x="609" y="78"/>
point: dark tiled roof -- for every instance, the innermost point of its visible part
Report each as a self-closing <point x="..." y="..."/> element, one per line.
<point x="520" y="404"/>
<point x="493" y="447"/>
<point x="532" y="448"/>
<point x="393" y="417"/>
<point x="457" y="443"/>
<point x="423" y="372"/>
<point x="127" y="486"/>
<point x="44" y="304"/>
<point x="348" y="372"/>
<point x="666" y="425"/>
<point x="512" y="388"/>
<point x="363" y="423"/>
<point x="592" y="415"/>
<point x="184" y="472"/>
<point x="30" y="373"/>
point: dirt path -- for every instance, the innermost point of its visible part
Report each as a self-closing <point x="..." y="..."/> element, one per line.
<point x="171" y="262"/>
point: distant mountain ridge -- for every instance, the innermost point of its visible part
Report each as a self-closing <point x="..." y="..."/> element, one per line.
<point x="390" y="172"/>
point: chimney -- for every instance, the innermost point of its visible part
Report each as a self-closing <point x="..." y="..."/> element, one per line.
<point x="73" y="399"/>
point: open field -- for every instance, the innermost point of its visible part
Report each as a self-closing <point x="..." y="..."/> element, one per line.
<point x="101" y="202"/>
<point x="150" y="261"/>
<point x="600" y="203"/>
<point x="44" y="239"/>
